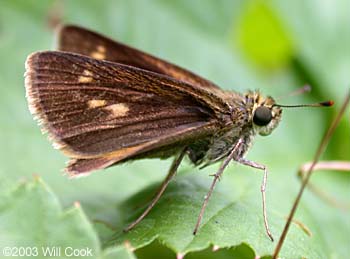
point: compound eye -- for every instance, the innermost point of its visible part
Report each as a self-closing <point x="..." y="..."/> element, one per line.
<point x="262" y="116"/>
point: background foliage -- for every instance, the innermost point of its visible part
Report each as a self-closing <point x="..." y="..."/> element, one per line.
<point x="274" y="46"/>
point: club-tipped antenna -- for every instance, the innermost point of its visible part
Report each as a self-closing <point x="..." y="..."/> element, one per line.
<point x="301" y="90"/>
<point x="321" y="104"/>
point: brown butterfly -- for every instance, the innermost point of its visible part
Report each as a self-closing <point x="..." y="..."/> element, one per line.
<point x="104" y="103"/>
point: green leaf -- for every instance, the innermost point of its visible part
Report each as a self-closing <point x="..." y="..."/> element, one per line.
<point x="239" y="252"/>
<point x="262" y="36"/>
<point x="120" y="252"/>
<point x="232" y="218"/>
<point x="31" y="218"/>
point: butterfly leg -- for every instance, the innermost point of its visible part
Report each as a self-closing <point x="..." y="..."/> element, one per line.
<point x="263" y="189"/>
<point x="172" y="171"/>
<point x="217" y="176"/>
<point x="321" y="166"/>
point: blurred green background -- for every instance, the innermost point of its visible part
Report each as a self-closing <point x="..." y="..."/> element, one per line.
<point x="275" y="46"/>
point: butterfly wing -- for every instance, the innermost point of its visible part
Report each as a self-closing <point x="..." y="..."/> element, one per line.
<point x="104" y="112"/>
<point x="85" y="42"/>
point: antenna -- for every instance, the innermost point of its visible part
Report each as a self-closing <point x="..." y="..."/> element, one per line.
<point x="301" y="90"/>
<point x="321" y="104"/>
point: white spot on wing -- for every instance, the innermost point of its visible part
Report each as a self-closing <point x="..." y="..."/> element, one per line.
<point x="86" y="77"/>
<point x="99" y="53"/>
<point x="118" y="110"/>
<point x="96" y="103"/>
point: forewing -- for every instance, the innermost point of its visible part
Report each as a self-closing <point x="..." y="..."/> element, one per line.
<point x="93" y="108"/>
<point x="82" y="41"/>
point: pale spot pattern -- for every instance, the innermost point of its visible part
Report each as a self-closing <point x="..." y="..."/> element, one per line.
<point x="99" y="53"/>
<point x="86" y="78"/>
<point x="117" y="110"/>
<point x="96" y="103"/>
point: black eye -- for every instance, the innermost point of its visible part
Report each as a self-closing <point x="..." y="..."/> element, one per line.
<point x="262" y="116"/>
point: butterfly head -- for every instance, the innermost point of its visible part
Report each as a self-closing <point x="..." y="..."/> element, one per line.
<point x="265" y="114"/>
